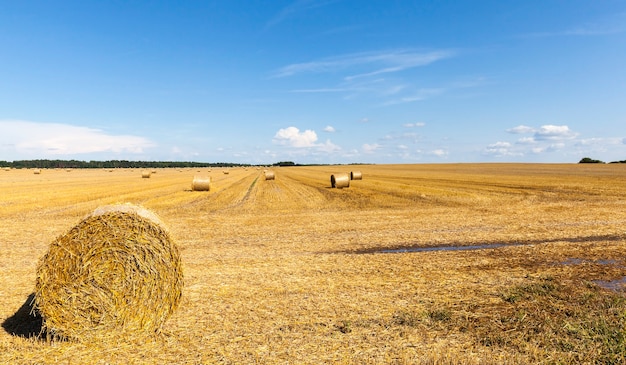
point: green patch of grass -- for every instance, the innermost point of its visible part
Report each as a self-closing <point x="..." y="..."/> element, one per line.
<point x="573" y="322"/>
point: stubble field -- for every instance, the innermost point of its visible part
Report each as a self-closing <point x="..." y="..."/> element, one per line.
<point x="414" y="264"/>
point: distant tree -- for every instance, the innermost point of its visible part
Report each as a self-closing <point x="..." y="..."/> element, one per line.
<point x="589" y="160"/>
<point x="285" y="163"/>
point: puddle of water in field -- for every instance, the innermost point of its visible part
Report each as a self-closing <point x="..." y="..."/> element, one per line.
<point x="455" y="246"/>
<point x="618" y="285"/>
<point x="577" y="261"/>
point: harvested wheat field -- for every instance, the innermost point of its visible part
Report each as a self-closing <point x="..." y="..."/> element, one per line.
<point x="414" y="264"/>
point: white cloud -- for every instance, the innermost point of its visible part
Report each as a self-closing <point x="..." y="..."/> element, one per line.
<point x="438" y="153"/>
<point x="521" y="129"/>
<point x="54" y="139"/>
<point x="413" y="125"/>
<point x="554" y="132"/>
<point x="291" y="136"/>
<point x="500" y="149"/>
<point x="526" y="140"/>
<point x="545" y="132"/>
<point x="328" y="147"/>
<point x="370" y="148"/>
<point x="329" y="129"/>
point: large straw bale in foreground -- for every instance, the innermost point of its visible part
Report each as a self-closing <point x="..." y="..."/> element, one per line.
<point x="269" y="175"/>
<point x="117" y="271"/>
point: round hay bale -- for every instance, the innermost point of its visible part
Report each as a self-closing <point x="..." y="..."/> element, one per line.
<point x="201" y="183"/>
<point x="269" y="175"/>
<point x="339" y="181"/>
<point x="226" y="172"/>
<point x="356" y="175"/>
<point x="116" y="272"/>
<point x="145" y="174"/>
<point x="37" y="171"/>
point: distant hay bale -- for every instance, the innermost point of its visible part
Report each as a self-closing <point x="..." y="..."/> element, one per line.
<point x="201" y="183"/>
<point x="269" y="175"/>
<point x="339" y="181"/>
<point x="37" y="171"/>
<point x="356" y="175"/>
<point x="226" y="172"/>
<point x="145" y="174"/>
<point x="154" y="171"/>
<point x="116" y="272"/>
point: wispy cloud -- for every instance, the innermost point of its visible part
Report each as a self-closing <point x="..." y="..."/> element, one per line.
<point x="296" y="7"/>
<point x="612" y="24"/>
<point x="378" y="75"/>
<point x="413" y="125"/>
<point x="418" y="95"/>
<point x="53" y="139"/>
<point x="374" y="63"/>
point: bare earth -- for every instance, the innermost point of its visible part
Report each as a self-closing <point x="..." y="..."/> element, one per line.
<point x="413" y="264"/>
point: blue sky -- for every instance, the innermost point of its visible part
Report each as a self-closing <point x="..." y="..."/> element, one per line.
<point x="313" y="81"/>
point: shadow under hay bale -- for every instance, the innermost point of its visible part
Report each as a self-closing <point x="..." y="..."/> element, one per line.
<point x="26" y="322"/>
<point x="201" y="183"/>
<point x="339" y="181"/>
<point x="116" y="272"/>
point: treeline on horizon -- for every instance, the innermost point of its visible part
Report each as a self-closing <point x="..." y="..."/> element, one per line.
<point x="591" y="160"/>
<point x="112" y="164"/>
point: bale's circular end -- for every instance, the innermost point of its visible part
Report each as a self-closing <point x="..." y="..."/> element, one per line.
<point x="356" y="175"/>
<point x="201" y="183"/>
<point x="339" y="181"/>
<point x="117" y="271"/>
<point x="269" y="175"/>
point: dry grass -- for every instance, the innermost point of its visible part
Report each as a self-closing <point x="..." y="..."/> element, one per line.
<point x="287" y="271"/>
